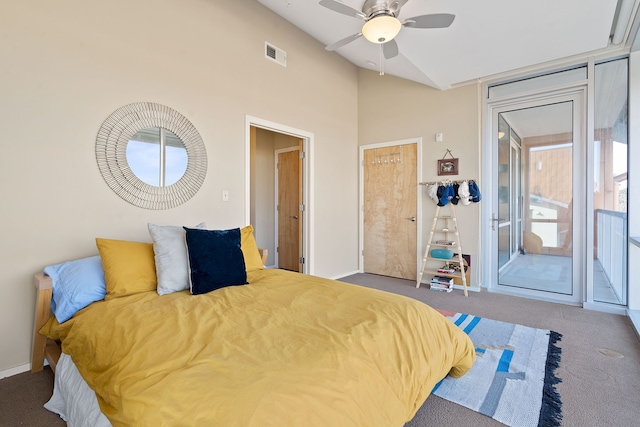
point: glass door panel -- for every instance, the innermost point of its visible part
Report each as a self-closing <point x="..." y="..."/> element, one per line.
<point x="610" y="183"/>
<point x="516" y="208"/>
<point x="537" y="184"/>
<point x="504" y="181"/>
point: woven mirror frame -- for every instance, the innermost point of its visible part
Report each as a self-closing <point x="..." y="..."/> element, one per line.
<point x="111" y="150"/>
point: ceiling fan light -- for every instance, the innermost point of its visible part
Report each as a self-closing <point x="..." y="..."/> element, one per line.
<point x="381" y="29"/>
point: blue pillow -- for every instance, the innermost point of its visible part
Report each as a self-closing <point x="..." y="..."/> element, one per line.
<point x="76" y="284"/>
<point x="215" y="259"/>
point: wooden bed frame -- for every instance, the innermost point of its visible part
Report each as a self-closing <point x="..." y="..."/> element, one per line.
<point x="43" y="347"/>
<point x="46" y="348"/>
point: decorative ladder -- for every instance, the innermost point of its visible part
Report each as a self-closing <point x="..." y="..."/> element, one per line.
<point x="446" y="230"/>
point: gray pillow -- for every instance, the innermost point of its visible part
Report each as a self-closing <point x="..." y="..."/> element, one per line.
<point x="170" y="253"/>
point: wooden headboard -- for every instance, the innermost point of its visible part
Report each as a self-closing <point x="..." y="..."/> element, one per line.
<point x="46" y="348"/>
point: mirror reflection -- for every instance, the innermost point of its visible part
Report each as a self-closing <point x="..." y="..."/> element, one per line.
<point x="157" y="156"/>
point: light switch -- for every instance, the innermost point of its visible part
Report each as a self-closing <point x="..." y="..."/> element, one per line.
<point x="225" y="195"/>
<point x="439" y="137"/>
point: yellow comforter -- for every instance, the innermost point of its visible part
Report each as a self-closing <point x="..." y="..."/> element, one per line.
<point x="285" y="350"/>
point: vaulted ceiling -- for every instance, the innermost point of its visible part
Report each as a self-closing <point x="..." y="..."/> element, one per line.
<point x="487" y="38"/>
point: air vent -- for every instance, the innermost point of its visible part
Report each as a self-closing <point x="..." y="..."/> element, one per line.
<point x="275" y="54"/>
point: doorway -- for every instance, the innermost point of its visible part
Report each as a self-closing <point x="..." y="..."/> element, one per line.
<point x="264" y="139"/>
<point x="390" y="222"/>
<point x="538" y="153"/>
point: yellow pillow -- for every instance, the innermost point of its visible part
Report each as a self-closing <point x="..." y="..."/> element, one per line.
<point x="252" y="258"/>
<point x="129" y="267"/>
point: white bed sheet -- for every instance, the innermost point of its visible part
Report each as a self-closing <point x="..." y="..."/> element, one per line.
<point x="73" y="399"/>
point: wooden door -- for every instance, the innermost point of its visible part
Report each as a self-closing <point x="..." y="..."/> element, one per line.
<point x="289" y="212"/>
<point x="390" y="209"/>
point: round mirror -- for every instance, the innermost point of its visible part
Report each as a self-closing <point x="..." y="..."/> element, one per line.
<point x="151" y="155"/>
<point x="157" y="156"/>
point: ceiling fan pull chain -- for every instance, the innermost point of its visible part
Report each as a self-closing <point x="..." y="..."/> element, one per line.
<point x="381" y="61"/>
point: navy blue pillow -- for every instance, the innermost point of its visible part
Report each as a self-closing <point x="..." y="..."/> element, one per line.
<point x="215" y="259"/>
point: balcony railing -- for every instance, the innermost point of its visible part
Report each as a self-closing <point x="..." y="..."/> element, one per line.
<point x="611" y="249"/>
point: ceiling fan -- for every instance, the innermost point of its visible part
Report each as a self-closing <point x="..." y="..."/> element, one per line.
<point x="382" y="23"/>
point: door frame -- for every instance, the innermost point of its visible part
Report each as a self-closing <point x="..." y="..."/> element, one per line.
<point x="578" y="94"/>
<point x="516" y="208"/>
<point x="308" y="237"/>
<point x="362" y="148"/>
<point x="515" y="189"/>
<point x="276" y="194"/>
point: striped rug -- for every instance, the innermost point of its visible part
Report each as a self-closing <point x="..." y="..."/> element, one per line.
<point x="513" y="380"/>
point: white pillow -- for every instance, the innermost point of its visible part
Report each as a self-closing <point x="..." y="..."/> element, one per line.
<point x="170" y="253"/>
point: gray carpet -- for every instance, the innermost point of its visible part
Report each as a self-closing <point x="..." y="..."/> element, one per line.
<point x="22" y="397"/>
<point x="598" y="388"/>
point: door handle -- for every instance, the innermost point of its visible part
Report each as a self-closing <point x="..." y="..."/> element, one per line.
<point x="412" y="219"/>
<point x="495" y="219"/>
<point x="295" y="217"/>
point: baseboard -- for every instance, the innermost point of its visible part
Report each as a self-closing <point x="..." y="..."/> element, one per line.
<point x="423" y="283"/>
<point x="605" y="308"/>
<point x="469" y="288"/>
<point x="634" y="315"/>
<point x="15" y="371"/>
<point x="340" y="276"/>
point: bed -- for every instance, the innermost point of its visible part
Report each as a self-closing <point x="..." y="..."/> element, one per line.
<point x="280" y="349"/>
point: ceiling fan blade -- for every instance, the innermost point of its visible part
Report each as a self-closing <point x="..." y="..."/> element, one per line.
<point x="435" y="20"/>
<point x="390" y="49"/>
<point x="343" y="42"/>
<point x="342" y="8"/>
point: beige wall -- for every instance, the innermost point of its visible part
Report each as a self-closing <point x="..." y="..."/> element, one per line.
<point x="67" y="65"/>
<point x="392" y="109"/>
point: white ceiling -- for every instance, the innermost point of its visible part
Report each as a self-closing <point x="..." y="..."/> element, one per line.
<point x="550" y="119"/>
<point x="485" y="39"/>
